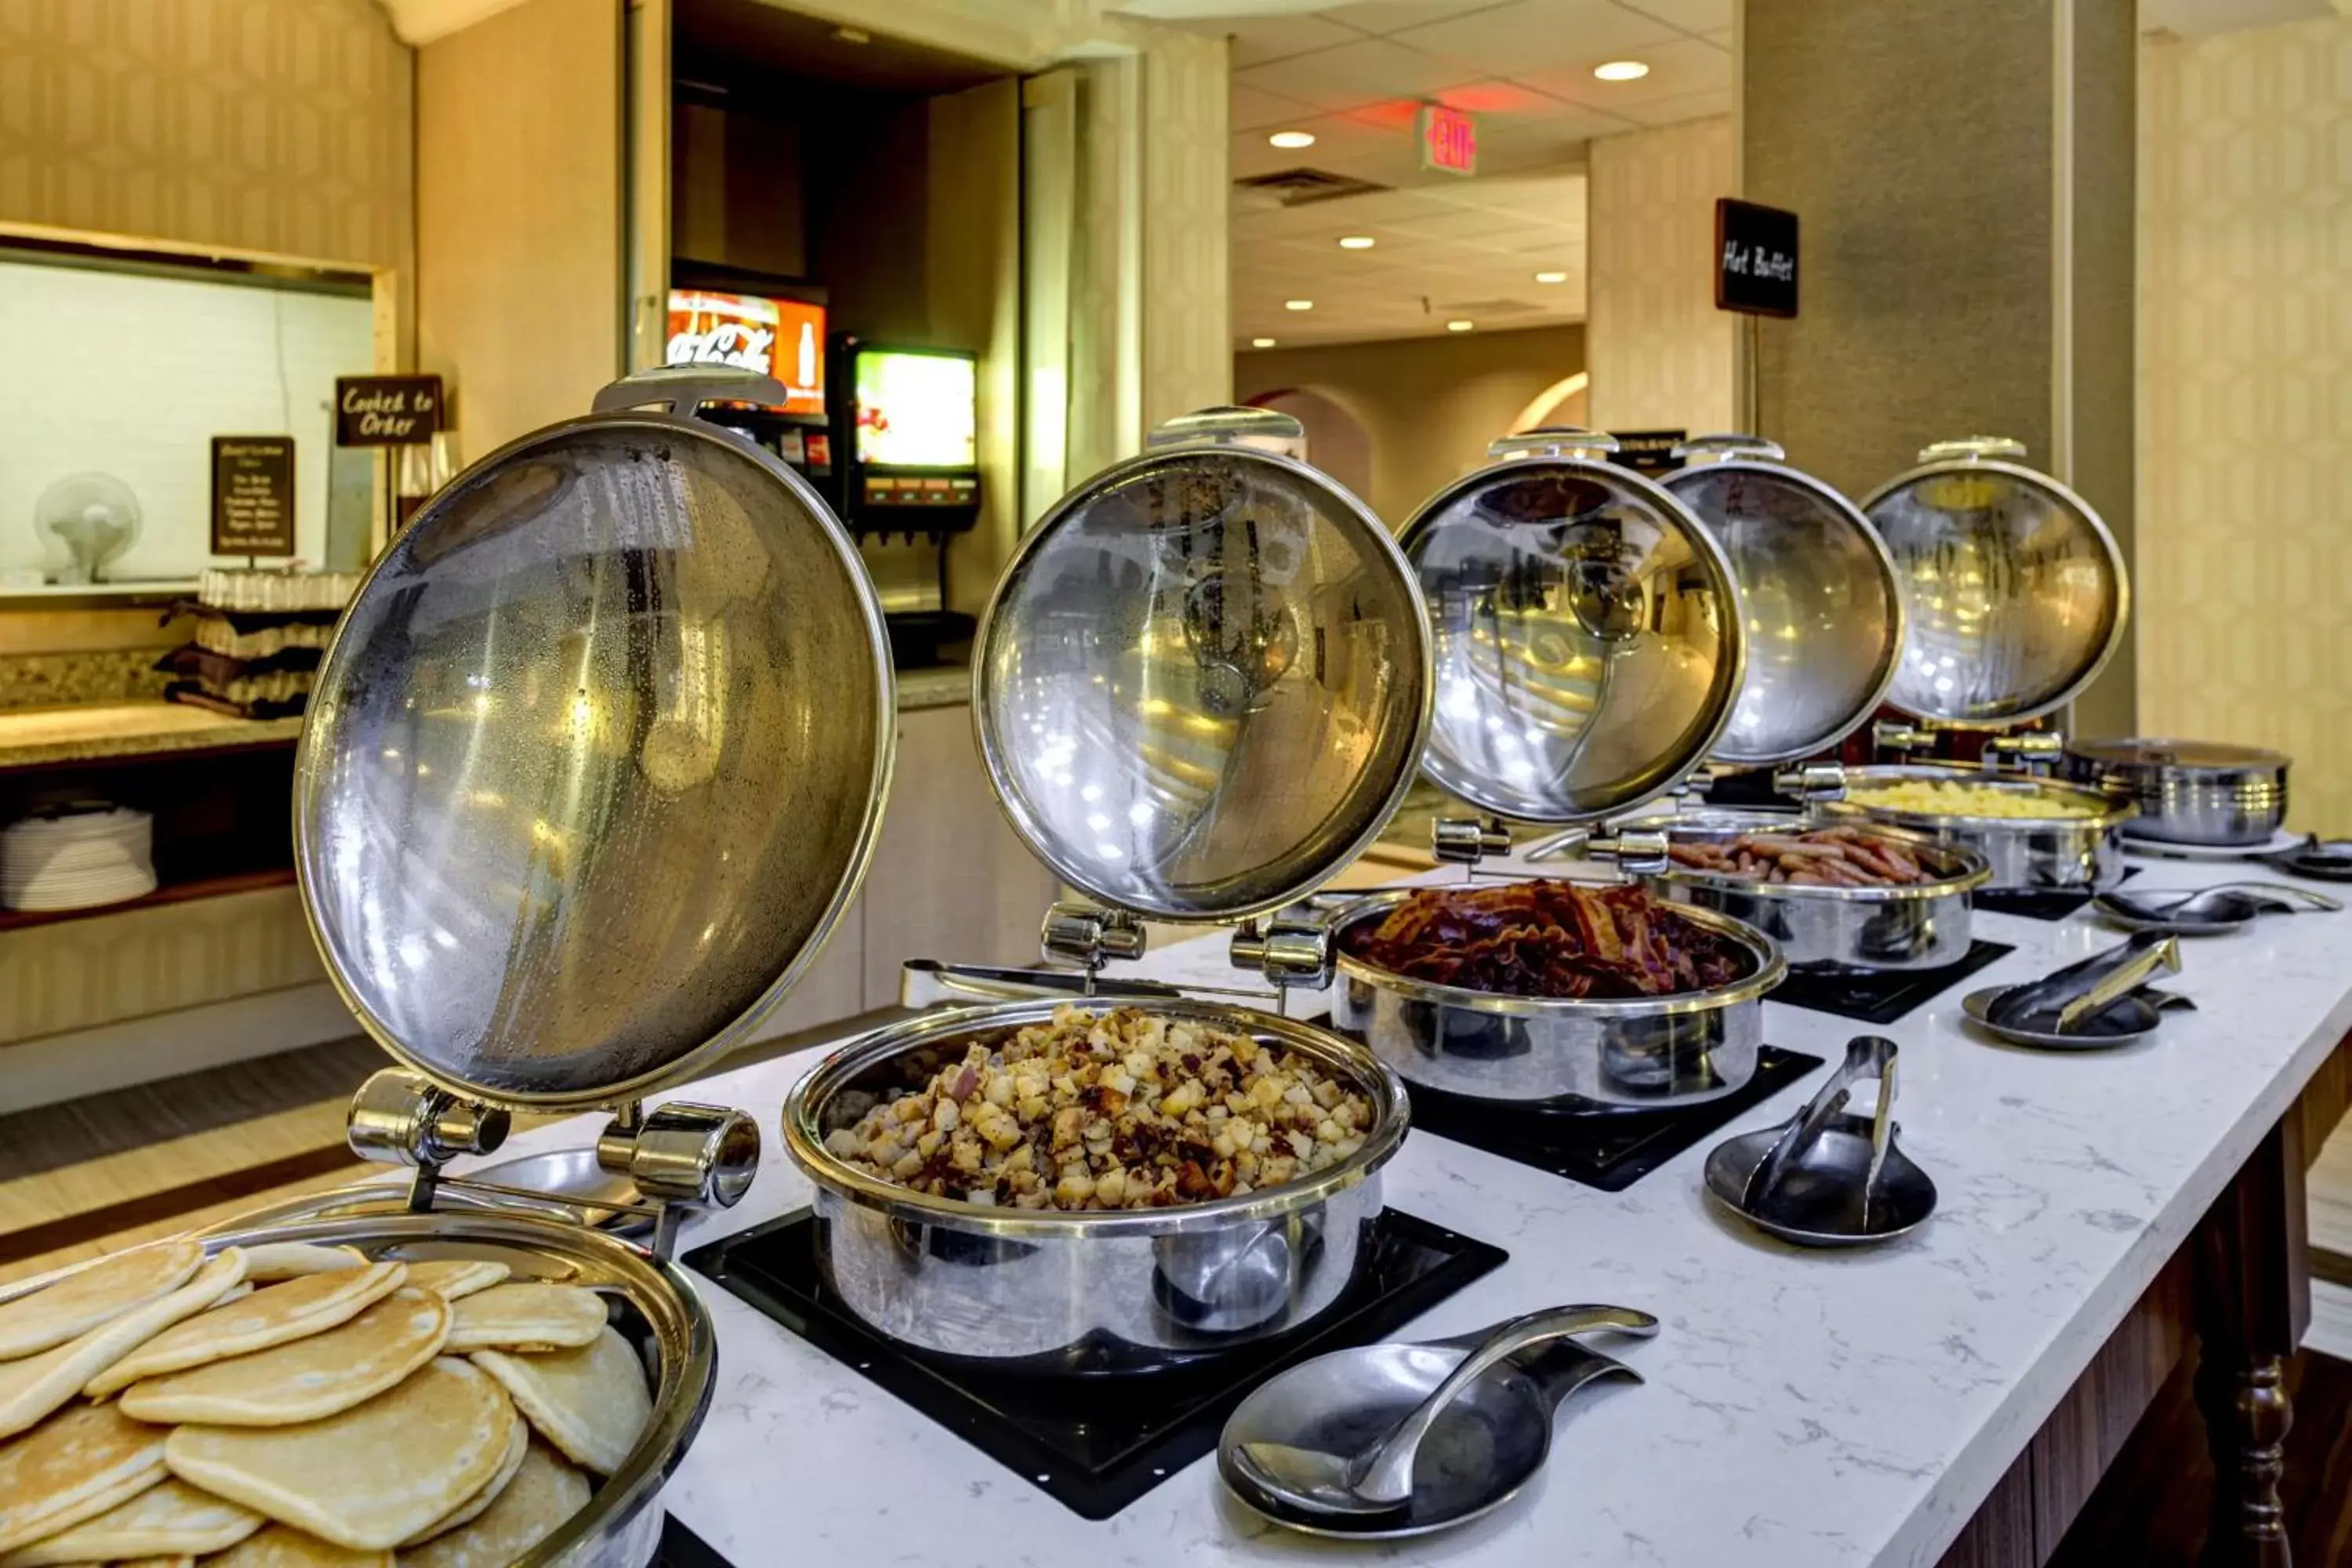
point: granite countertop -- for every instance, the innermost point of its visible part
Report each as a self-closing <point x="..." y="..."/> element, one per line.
<point x="46" y="735"/>
<point x="1801" y="1408"/>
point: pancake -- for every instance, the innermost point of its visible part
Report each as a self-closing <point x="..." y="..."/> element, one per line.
<point x="159" y="1562"/>
<point x="275" y="1260"/>
<point x="94" y="1296"/>
<point x="173" y="1520"/>
<point x="283" y="1546"/>
<point x="32" y="1387"/>
<point x="591" y="1402"/>
<point x="452" y="1277"/>
<point x="73" y="1467"/>
<point x="544" y="1493"/>
<point x="526" y="1315"/>
<point x="472" y="1506"/>
<point x="367" y="1478"/>
<point x="304" y="1380"/>
<point x="295" y="1310"/>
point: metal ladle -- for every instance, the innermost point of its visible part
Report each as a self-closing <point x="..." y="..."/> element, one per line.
<point x="1297" y="1443"/>
<point x="2206" y="911"/>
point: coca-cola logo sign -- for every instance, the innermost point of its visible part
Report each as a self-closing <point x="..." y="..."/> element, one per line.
<point x="739" y="343"/>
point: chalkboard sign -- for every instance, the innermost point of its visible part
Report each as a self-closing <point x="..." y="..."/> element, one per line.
<point x="1650" y="452"/>
<point x="252" y="495"/>
<point x="386" y="410"/>
<point x="1755" y="258"/>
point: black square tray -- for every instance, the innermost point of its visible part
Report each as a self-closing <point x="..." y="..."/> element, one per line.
<point x="1884" y="997"/>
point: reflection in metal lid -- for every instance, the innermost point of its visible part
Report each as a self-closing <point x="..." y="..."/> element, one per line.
<point x="595" y="762"/>
<point x="2014" y="592"/>
<point x="1587" y="638"/>
<point x="1202" y="683"/>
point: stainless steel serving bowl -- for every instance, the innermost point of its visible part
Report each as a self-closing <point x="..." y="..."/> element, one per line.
<point x="1915" y="925"/>
<point x="2187" y="792"/>
<point x="650" y="1303"/>
<point x="2066" y="853"/>
<point x="1641" y="1052"/>
<point x="1109" y="1291"/>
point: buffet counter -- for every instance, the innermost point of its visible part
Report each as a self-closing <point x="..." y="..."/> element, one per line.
<point x="40" y="737"/>
<point x="1800" y="1406"/>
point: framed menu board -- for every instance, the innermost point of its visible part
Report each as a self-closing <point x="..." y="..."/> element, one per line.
<point x="252" y="495"/>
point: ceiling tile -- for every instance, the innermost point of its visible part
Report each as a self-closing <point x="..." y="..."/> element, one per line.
<point x="1253" y="109"/>
<point x="1688" y="106"/>
<point x="1529" y="35"/>
<point x="1391" y="15"/>
<point x="1690" y="15"/>
<point x="1678" y="69"/>
<point x="1356" y="73"/>
<point x="1257" y="39"/>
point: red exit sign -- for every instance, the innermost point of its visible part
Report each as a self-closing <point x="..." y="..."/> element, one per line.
<point x="1449" y="140"/>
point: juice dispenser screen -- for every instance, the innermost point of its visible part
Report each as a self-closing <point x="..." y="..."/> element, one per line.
<point x="916" y="410"/>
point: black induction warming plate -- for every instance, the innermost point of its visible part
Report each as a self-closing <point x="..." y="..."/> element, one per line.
<point x="1094" y="1443"/>
<point x="2055" y="904"/>
<point x="1885" y="995"/>
<point x="1608" y="1148"/>
<point x="681" y="1548"/>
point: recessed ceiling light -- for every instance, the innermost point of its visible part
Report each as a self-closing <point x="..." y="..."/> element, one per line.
<point x="1261" y="343"/>
<point x="1356" y="242"/>
<point x="1551" y="277"/>
<point x="1292" y="139"/>
<point x="1620" y="70"/>
<point x="1459" y="326"/>
<point x="1298" y="304"/>
<point x="853" y="35"/>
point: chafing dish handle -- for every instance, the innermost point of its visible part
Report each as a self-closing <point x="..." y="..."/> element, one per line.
<point x="683" y="388"/>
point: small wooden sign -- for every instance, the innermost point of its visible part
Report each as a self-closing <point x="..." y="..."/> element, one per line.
<point x="1755" y="258"/>
<point x="386" y="410"/>
<point x="252" y="495"/>
<point x="1650" y="452"/>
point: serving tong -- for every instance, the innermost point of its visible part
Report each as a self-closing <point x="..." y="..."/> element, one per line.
<point x="2102" y="1000"/>
<point x="1828" y="1177"/>
<point x="2206" y="912"/>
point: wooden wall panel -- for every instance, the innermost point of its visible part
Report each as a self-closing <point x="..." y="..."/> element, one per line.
<point x="519" y="215"/>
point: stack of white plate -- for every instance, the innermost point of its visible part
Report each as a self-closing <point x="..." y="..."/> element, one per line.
<point x="76" y="858"/>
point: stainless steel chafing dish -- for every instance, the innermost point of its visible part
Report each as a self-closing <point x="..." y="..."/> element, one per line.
<point x="1590" y="651"/>
<point x="1199" y="689"/>
<point x="2023" y="853"/>
<point x="593" y="764"/>
<point x="1906" y="925"/>
<point x="2015" y="596"/>
<point x="2187" y="792"/>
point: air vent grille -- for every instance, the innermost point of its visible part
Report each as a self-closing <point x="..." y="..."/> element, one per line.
<point x="1297" y="187"/>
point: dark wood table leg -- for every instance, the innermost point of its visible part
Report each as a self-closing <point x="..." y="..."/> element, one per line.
<point x="2254" y="1303"/>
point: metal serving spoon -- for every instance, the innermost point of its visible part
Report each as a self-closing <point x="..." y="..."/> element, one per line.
<point x="1302" y="1440"/>
<point x="2206" y="911"/>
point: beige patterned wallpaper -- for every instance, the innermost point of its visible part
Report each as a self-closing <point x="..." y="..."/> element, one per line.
<point x="2245" y="405"/>
<point x="1659" y="351"/>
<point x="259" y="125"/>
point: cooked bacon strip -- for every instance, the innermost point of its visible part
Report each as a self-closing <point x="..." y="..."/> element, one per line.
<point x="1548" y="939"/>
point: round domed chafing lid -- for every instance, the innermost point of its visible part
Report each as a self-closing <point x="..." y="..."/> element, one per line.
<point x="2014" y="592"/>
<point x="1825" y="620"/>
<point x="596" y="758"/>
<point x="1204" y="680"/>
<point x="1586" y="630"/>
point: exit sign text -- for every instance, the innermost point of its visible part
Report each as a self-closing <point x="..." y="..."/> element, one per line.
<point x="1449" y="140"/>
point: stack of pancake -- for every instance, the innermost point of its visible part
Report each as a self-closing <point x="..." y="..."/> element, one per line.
<point x="288" y="1405"/>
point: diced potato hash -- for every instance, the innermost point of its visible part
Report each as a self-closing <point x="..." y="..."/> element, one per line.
<point x="1121" y="1111"/>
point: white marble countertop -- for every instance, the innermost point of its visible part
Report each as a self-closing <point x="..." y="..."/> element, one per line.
<point x="1800" y="1407"/>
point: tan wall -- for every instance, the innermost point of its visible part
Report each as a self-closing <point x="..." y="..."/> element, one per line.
<point x="1661" y="351"/>
<point x="2245" y="401"/>
<point x="1430" y="405"/>
<point x="279" y="126"/>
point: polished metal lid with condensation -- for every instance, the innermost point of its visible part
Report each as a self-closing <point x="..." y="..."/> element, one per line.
<point x="1585" y="628"/>
<point x="2014" y="592"/>
<point x="1817" y="589"/>
<point x="1202" y="683"/>
<point x="597" y="756"/>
